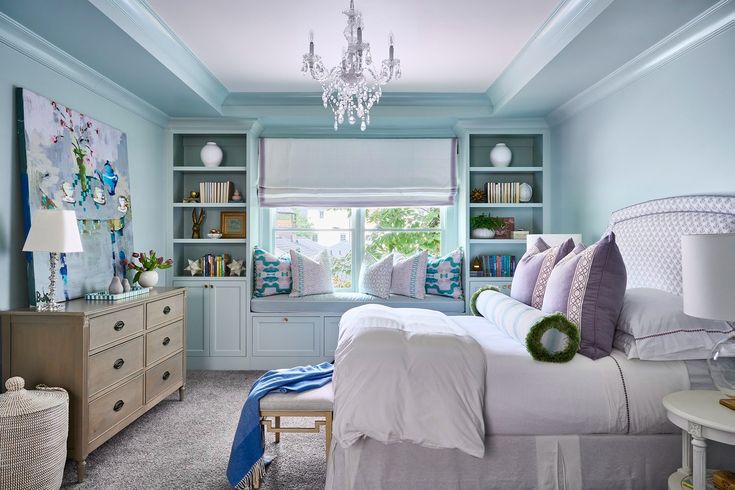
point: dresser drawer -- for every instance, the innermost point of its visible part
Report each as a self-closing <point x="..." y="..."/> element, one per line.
<point x="164" y="376"/>
<point x="164" y="341"/>
<point x="113" y="407"/>
<point x="297" y="336"/>
<point x="112" y="365"/>
<point x="108" y="328"/>
<point x="164" y="310"/>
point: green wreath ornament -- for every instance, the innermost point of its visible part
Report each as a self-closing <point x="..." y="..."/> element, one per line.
<point x="559" y="322"/>
<point x="476" y="294"/>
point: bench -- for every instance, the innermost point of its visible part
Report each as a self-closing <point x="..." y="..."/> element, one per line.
<point x="315" y="404"/>
<point x="338" y="303"/>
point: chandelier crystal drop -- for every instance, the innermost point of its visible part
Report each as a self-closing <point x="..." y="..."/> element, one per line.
<point x="353" y="87"/>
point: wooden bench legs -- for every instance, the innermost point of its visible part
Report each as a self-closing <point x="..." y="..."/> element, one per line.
<point x="323" y="419"/>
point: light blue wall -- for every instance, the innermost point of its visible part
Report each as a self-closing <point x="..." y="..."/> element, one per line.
<point x="669" y="133"/>
<point x="145" y="149"/>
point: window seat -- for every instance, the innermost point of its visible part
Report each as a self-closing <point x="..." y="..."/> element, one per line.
<point x="338" y="303"/>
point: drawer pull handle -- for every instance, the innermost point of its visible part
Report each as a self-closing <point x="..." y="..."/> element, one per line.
<point x="118" y="405"/>
<point x="119" y="325"/>
<point x="167" y="310"/>
<point x="285" y="319"/>
<point x="166" y="341"/>
<point x="119" y="363"/>
<point x="166" y="375"/>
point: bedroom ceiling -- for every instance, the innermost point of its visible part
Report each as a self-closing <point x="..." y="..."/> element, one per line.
<point x="459" y="46"/>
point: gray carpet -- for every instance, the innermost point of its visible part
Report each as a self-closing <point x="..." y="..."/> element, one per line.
<point x="187" y="444"/>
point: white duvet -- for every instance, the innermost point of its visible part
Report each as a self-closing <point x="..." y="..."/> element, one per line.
<point x="408" y="375"/>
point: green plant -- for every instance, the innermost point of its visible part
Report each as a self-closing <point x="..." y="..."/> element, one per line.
<point x="147" y="262"/>
<point x="486" y="221"/>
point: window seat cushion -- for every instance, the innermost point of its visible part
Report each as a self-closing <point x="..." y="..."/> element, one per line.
<point x="339" y="303"/>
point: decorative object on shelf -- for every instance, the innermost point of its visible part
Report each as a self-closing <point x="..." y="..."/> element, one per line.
<point x="236" y="196"/>
<point x="236" y="267"/>
<point x="215" y="265"/>
<point x="504" y="192"/>
<point x="505" y="231"/>
<point x="106" y="296"/>
<point x="126" y="285"/>
<point x="525" y="193"/>
<point x="497" y="265"/>
<point x="478" y="195"/>
<point x="115" y="286"/>
<point x="55" y="232"/>
<point x="476" y="266"/>
<point x="145" y="271"/>
<point x="193" y="197"/>
<point x="520" y="234"/>
<point x="484" y="226"/>
<point x="194" y="267"/>
<point x="215" y="192"/>
<point x="197" y="222"/>
<point x="72" y="162"/>
<point x="500" y="155"/>
<point x="34" y="425"/>
<point x="211" y="154"/>
<point x="232" y="224"/>
<point x="214" y="233"/>
<point x="708" y="280"/>
<point x="352" y="87"/>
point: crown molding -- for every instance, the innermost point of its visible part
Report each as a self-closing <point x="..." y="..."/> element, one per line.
<point x="567" y="21"/>
<point x="138" y="20"/>
<point x="214" y="124"/>
<point x="324" y="131"/>
<point x="30" y="44"/>
<point x="467" y="126"/>
<point x="709" y="24"/>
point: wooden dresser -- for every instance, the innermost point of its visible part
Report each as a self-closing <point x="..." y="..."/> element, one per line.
<point x="116" y="359"/>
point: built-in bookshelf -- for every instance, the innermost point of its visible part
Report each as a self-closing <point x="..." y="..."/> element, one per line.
<point x="528" y="165"/>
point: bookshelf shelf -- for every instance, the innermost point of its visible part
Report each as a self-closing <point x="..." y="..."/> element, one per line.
<point x="210" y="241"/>
<point x="496" y="241"/>
<point x="225" y="169"/>
<point x="505" y="170"/>
<point x="210" y="205"/>
<point x="210" y="278"/>
<point x="507" y="205"/>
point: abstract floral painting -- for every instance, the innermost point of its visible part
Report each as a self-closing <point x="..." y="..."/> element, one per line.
<point x="71" y="161"/>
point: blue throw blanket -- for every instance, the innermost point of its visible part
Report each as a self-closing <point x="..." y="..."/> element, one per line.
<point x="246" y="455"/>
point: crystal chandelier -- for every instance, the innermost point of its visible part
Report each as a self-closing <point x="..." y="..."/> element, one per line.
<point x="352" y="87"/>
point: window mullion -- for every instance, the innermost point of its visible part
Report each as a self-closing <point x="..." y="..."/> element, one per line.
<point x="358" y="245"/>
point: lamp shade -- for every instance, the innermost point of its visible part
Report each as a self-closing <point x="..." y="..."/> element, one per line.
<point x="708" y="273"/>
<point x="53" y="230"/>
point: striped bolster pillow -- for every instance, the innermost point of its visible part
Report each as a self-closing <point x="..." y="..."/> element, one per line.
<point x="548" y="337"/>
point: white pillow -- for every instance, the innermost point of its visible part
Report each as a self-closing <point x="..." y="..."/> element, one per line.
<point x="409" y="275"/>
<point x="661" y="329"/>
<point x="310" y="276"/>
<point x="375" y="276"/>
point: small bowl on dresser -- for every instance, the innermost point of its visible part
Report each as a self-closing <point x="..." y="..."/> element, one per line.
<point x="214" y="235"/>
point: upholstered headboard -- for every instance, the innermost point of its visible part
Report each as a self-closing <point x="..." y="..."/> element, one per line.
<point x="649" y="235"/>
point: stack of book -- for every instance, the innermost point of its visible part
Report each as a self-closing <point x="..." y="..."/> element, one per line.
<point x="215" y="192"/>
<point x="495" y="266"/>
<point x="503" y="192"/>
<point x="215" y="265"/>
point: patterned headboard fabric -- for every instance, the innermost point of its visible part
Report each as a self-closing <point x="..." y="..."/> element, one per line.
<point x="649" y="235"/>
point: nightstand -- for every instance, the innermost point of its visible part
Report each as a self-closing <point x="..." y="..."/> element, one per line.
<point x="701" y="417"/>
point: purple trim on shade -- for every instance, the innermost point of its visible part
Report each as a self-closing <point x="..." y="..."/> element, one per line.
<point x="453" y="172"/>
<point x="261" y="172"/>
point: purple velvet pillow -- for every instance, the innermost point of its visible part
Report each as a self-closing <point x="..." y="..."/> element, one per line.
<point x="588" y="286"/>
<point x="533" y="271"/>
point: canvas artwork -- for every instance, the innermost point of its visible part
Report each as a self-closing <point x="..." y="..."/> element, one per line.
<point x="71" y="161"/>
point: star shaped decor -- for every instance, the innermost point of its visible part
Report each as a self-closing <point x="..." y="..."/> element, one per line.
<point x="193" y="267"/>
<point x="236" y="267"/>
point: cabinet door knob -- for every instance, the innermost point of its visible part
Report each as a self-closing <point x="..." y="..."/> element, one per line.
<point x="285" y="318"/>
<point x="119" y="363"/>
<point x="166" y="341"/>
<point x="118" y="405"/>
<point x="166" y="375"/>
<point x="166" y="310"/>
<point x="119" y="325"/>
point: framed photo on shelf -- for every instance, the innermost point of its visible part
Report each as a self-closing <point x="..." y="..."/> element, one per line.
<point x="232" y="224"/>
<point x="506" y="232"/>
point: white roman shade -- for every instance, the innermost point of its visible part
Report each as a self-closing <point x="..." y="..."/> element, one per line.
<point x="357" y="172"/>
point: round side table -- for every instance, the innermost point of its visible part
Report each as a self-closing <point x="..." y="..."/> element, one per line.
<point x="700" y="417"/>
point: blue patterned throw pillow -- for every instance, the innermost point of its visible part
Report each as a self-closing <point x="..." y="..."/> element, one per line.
<point x="444" y="275"/>
<point x="272" y="274"/>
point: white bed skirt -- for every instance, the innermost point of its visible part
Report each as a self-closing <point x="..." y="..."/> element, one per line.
<point x="517" y="462"/>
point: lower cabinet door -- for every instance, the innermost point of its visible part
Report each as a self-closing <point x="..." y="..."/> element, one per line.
<point x="287" y="336"/>
<point x="197" y="318"/>
<point x="331" y="333"/>
<point x="227" y="319"/>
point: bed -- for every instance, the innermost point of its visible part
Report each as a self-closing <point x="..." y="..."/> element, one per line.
<point x="583" y="424"/>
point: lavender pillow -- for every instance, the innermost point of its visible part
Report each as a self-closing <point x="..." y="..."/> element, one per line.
<point x="533" y="271"/>
<point x="588" y="286"/>
<point x="409" y="275"/>
<point x="375" y="276"/>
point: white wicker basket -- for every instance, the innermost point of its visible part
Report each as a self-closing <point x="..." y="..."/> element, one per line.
<point x="33" y="430"/>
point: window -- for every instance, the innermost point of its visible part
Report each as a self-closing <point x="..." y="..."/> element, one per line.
<point x="345" y="232"/>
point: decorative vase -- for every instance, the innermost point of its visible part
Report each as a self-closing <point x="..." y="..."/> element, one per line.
<point x="483" y="233"/>
<point x="148" y="279"/>
<point x="722" y="366"/>
<point x="526" y="192"/>
<point x="500" y="155"/>
<point x="126" y="285"/>
<point x="211" y="154"/>
<point x="115" y="286"/>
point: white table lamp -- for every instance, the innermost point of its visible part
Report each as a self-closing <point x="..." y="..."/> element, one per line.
<point x="54" y="231"/>
<point x="708" y="280"/>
